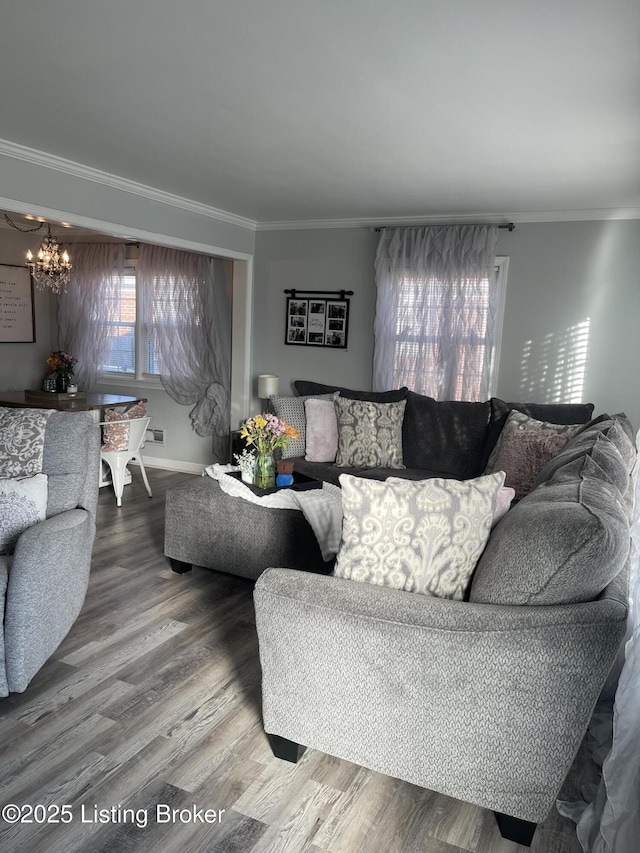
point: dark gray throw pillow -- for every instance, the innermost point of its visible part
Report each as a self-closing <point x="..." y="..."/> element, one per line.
<point x="556" y="413"/>
<point x="446" y="436"/>
<point x="304" y="387"/>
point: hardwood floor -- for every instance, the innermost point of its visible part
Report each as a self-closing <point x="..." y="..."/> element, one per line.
<point x="154" y="698"/>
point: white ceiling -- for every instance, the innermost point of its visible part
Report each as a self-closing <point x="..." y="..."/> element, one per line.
<point x="288" y="110"/>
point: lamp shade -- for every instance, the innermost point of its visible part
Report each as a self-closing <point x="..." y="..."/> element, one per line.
<point x="268" y="384"/>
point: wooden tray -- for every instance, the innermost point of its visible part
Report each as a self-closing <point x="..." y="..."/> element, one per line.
<point x="53" y="395"/>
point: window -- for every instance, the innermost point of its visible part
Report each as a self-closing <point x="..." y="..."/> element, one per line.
<point x="130" y="348"/>
<point x="423" y="322"/>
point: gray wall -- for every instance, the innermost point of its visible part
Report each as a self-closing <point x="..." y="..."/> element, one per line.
<point x="572" y="304"/>
<point x="322" y="259"/>
<point x="24" y="365"/>
<point x="571" y="314"/>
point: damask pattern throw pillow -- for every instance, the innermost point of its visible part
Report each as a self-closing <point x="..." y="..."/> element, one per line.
<point x="116" y="435"/>
<point x="420" y="536"/>
<point x="22" y="441"/>
<point x="23" y="503"/>
<point x="369" y="434"/>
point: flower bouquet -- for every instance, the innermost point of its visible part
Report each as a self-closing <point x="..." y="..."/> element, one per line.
<point x="266" y="432"/>
<point x="62" y="363"/>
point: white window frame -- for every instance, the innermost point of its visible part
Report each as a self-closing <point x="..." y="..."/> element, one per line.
<point x="140" y="378"/>
<point x="502" y="273"/>
<point x="501" y="268"/>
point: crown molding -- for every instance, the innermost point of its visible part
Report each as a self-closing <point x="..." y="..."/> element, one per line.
<point x="83" y="226"/>
<point x="68" y="167"/>
<point x="77" y="170"/>
<point x="460" y="219"/>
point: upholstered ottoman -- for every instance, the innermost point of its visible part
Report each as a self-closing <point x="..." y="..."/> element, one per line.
<point x="204" y="526"/>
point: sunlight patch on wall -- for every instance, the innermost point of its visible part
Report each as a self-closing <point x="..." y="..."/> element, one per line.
<point x="553" y="368"/>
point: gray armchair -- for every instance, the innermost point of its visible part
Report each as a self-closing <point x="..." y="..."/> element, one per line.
<point x="44" y="582"/>
<point x="482" y="702"/>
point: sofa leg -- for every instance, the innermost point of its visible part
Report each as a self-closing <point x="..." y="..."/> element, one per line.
<point x="515" y="829"/>
<point x="179" y="567"/>
<point x="285" y="749"/>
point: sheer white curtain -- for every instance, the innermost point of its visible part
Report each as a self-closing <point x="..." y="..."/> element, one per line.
<point x="608" y="819"/>
<point x="188" y="321"/>
<point x="87" y="311"/>
<point x="435" y="310"/>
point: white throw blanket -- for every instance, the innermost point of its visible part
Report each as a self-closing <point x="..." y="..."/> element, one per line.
<point x="322" y="508"/>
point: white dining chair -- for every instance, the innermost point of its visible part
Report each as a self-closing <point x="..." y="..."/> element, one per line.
<point x="117" y="460"/>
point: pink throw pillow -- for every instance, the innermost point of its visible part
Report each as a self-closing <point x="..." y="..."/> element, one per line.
<point x="116" y="436"/>
<point x="505" y="497"/>
<point x="523" y="453"/>
<point x="322" y="431"/>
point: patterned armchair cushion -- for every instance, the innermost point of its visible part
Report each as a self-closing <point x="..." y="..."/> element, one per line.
<point x="116" y="435"/>
<point x="419" y="536"/>
<point x="22" y="437"/>
<point x="23" y="503"/>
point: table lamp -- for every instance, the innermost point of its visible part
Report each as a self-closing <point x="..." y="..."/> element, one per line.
<point x="268" y="385"/>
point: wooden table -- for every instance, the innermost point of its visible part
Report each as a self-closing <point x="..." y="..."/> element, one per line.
<point x="94" y="403"/>
<point x="64" y="403"/>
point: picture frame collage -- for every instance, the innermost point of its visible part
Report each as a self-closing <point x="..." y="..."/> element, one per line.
<point x="317" y="321"/>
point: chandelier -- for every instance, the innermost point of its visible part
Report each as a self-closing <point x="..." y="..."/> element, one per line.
<point x="51" y="268"/>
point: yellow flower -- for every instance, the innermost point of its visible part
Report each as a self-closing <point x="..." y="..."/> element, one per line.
<point x="259" y="421"/>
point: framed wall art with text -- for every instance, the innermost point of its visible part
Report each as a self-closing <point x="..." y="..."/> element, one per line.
<point x="17" y="317"/>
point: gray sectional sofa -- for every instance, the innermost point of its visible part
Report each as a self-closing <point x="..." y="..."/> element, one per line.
<point x="485" y="699"/>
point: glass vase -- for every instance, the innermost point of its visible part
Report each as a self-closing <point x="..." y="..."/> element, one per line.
<point x="62" y="380"/>
<point x="264" y="473"/>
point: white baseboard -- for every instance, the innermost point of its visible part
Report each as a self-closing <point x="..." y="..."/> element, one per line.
<point x="172" y="465"/>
